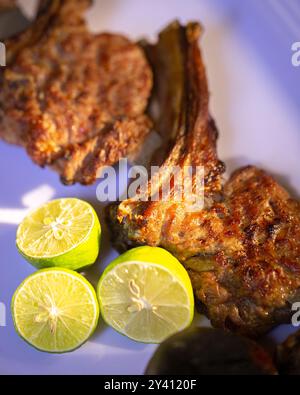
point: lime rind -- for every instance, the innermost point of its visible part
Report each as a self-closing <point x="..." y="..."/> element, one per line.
<point x="93" y="302"/>
<point x="152" y="255"/>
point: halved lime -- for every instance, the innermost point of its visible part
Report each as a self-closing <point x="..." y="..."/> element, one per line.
<point x="62" y="233"/>
<point x="55" y="310"/>
<point x="146" y="294"/>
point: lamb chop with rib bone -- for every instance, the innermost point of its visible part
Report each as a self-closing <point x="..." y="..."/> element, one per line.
<point x="242" y="250"/>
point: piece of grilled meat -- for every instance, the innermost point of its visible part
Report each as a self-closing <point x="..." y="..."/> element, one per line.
<point x="242" y="250"/>
<point x="68" y="94"/>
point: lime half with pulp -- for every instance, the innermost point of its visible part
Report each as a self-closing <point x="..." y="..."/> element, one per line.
<point x="146" y="294"/>
<point x="61" y="233"/>
<point x="55" y="310"/>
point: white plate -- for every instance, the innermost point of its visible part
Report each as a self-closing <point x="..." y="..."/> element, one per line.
<point x="255" y="97"/>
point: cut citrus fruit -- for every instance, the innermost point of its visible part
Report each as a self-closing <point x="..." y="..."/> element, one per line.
<point x="61" y="233"/>
<point x="146" y="294"/>
<point x="55" y="310"/>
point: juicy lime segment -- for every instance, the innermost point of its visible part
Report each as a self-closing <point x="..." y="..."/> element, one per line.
<point x="64" y="232"/>
<point x="55" y="310"/>
<point x="146" y="295"/>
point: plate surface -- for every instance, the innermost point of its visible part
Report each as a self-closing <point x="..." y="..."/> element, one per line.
<point x="255" y="97"/>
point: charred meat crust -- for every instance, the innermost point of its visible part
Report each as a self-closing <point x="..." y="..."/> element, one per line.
<point x="242" y="250"/>
<point x="82" y="162"/>
<point x="186" y="126"/>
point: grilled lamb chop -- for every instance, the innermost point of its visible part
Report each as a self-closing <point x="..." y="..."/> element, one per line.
<point x="242" y="250"/>
<point x="66" y="91"/>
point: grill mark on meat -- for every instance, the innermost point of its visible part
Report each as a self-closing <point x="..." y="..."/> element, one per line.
<point x="83" y="162"/>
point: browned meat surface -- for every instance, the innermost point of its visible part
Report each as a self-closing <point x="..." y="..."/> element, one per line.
<point x="242" y="250"/>
<point x="82" y="162"/>
<point x="288" y="358"/>
<point x="64" y="86"/>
